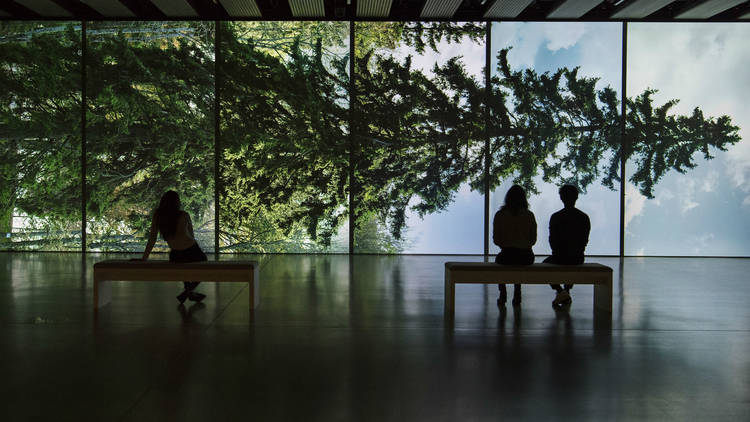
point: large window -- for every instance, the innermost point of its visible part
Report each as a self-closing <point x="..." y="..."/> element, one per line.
<point x="40" y="135"/>
<point x="303" y="147"/>
<point x="555" y="119"/>
<point x="284" y="136"/>
<point x="689" y="135"/>
<point x="418" y="130"/>
<point x="149" y="128"/>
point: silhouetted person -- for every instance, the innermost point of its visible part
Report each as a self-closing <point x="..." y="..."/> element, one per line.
<point x="514" y="230"/>
<point x="568" y="235"/>
<point x="176" y="229"/>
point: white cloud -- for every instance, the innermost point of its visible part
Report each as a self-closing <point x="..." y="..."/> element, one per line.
<point x="634" y="203"/>
<point x="711" y="182"/>
<point x="559" y="35"/>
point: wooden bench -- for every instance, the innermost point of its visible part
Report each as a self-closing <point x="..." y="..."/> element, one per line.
<point x="154" y="270"/>
<point x="490" y="273"/>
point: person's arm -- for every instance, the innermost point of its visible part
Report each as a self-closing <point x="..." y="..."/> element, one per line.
<point x="151" y="237"/>
<point x="586" y="231"/>
<point x="533" y="229"/>
<point x="554" y="234"/>
<point x="189" y="225"/>
<point x="497" y="230"/>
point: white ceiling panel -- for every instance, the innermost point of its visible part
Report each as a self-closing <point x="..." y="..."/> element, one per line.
<point x="640" y="9"/>
<point x="241" y="8"/>
<point x="708" y="9"/>
<point x="507" y="8"/>
<point x="440" y="8"/>
<point x="374" y="8"/>
<point x="307" y="8"/>
<point x="573" y="9"/>
<point x="110" y="8"/>
<point x="44" y="7"/>
<point x="175" y="7"/>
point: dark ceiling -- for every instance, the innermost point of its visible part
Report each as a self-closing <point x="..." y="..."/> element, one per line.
<point x="455" y="10"/>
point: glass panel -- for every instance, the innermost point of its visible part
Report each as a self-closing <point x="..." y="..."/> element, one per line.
<point x="689" y="125"/>
<point x="150" y="128"/>
<point x="284" y="136"/>
<point x="555" y="120"/>
<point x="419" y="136"/>
<point x="40" y="135"/>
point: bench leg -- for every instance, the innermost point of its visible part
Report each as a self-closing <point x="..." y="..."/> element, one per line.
<point x="102" y="293"/>
<point x="254" y="289"/>
<point x="603" y="296"/>
<point x="450" y="296"/>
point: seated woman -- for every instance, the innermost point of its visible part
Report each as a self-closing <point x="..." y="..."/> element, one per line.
<point x="514" y="230"/>
<point x="177" y="230"/>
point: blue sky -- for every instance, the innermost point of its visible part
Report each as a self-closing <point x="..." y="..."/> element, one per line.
<point x="703" y="212"/>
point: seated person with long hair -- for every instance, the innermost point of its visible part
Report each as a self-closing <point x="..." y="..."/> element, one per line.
<point x="176" y="229"/>
<point x="514" y="230"/>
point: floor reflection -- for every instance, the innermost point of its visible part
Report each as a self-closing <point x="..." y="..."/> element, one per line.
<point x="340" y="337"/>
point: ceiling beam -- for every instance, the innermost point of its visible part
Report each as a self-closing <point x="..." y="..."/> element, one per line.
<point x="79" y="9"/>
<point x="143" y="9"/>
<point x="406" y="9"/>
<point x="274" y="9"/>
<point x="472" y="9"/>
<point x="538" y="10"/>
<point x="208" y="9"/>
<point x="109" y="8"/>
<point x="18" y="11"/>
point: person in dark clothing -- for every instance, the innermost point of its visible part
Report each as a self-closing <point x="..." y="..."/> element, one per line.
<point x="568" y="236"/>
<point x="176" y="229"/>
<point x="514" y="230"/>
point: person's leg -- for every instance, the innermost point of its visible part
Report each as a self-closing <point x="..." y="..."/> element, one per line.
<point x="501" y="287"/>
<point x="553" y="260"/>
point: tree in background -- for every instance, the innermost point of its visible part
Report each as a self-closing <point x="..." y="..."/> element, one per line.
<point x="285" y="124"/>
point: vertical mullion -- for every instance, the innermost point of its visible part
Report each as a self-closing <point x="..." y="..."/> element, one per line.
<point x="83" y="138"/>
<point x="351" y="137"/>
<point x="623" y="141"/>
<point x="217" y="133"/>
<point x="487" y="93"/>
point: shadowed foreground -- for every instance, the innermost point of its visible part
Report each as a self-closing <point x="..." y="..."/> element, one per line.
<point x="363" y="338"/>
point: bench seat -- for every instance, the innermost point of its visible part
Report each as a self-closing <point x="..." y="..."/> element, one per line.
<point x="491" y="273"/>
<point x="157" y="270"/>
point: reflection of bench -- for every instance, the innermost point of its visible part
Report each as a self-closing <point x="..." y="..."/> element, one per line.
<point x="119" y="270"/>
<point x="490" y="273"/>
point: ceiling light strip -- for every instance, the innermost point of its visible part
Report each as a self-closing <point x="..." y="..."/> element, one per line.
<point x="507" y="8"/>
<point x="374" y="8"/>
<point x="708" y="9"/>
<point x="573" y="9"/>
<point x="241" y="8"/>
<point x="640" y="9"/>
<point x="307" y="8"/>
<point x="440" y="8"/>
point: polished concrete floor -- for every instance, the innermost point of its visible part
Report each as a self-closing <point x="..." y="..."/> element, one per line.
<point x="363" y="339"/>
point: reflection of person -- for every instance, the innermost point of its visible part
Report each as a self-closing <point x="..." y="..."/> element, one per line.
<point x="514" y="230"/>
<point x="177" y="230"/>
<point x="568" y="235"/>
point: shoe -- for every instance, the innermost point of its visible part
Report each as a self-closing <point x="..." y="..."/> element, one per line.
<point x="183" y="296"/>
<point x="562" y="298"/>
<point x="196" y="297"/>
